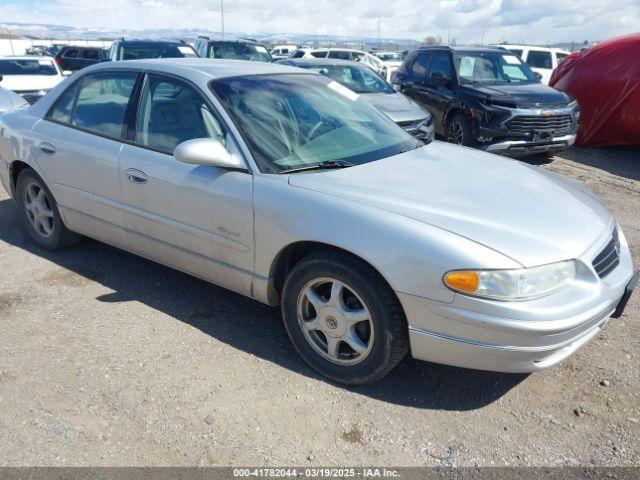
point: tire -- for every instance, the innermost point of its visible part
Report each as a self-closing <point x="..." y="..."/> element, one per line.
<point x="459" y="132"/>
<point x="37" y="208"/>
<point x="358" y="311"/>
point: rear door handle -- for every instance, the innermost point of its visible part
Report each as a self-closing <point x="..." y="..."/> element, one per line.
<point x="47" y="148"/>
<point x="136" y="176"/>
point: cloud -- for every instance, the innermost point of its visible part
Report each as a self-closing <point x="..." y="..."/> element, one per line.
<point x="467" y="20"/>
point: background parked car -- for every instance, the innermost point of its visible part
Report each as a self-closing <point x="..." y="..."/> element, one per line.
<point x="72" y="58"/>
<point x="392" y="60"/>
<point x="348" y="54"/>
<point x="541" y="60"/>
<point x="362" y="80"/>
<point x="232" y="50"/>
<point x="142" y="49"/>
<point x="30" y="77"/>
<point x="10" y="100"/>
<point x="280" y="52"/>
<point x="605" y="79"/>
<point x="488" y="98"/>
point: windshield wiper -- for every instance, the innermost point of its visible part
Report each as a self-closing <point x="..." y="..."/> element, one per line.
<point x="326" y="165"/>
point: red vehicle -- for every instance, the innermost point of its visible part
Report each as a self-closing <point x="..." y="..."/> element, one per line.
<point x="605" y="79"/>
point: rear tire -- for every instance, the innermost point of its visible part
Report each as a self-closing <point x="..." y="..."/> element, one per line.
<point x="343" y="318"/>
<point x="39" y="215"/>
<point x="459" y="132"/>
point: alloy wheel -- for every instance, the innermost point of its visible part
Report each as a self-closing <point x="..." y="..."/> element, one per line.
<point x="455" y="134"/>
<point x="38" y="208"/>
<point x="335" y="321"/>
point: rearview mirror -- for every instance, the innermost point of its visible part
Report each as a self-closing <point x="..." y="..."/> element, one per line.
<point x="207" y="152"/>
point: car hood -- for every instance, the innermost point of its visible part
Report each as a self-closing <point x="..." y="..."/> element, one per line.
<point x="24" y="83"/>
<point x="526" y="95"/>
<point x="524" y="212"/>
<point x="10" y="100"/>
<point x="396" y="106"/>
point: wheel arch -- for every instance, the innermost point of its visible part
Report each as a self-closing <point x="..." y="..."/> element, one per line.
<point x="15" y="169"/>
<point x="293" y="253"/>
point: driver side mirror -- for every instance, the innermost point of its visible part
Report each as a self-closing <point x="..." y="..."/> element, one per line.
<point x="538" y="76"/>
<point x="207" y="152"/>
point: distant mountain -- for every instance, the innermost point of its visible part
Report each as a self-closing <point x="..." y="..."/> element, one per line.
<point x="62" y="32"/>
<point x="6" y="33"/>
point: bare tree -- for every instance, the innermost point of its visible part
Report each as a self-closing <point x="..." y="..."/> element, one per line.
<point x="432" y="40"/>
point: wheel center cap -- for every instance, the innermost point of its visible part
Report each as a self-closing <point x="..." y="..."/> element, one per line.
<point x="333" y="323"/>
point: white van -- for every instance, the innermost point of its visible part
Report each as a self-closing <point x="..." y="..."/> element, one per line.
<point x="282" y="51"/>
<point x="541" y="59"/>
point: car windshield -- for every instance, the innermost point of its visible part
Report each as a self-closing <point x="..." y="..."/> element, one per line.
<point x="239" y="51"/>
<point x="390" y="57"/>
<point x="491" y="68"/>
<point x="16" y="66"/>
<point x="292" y="121"/>
<point x="358" y="79"/>
<point x="155" y="50"/>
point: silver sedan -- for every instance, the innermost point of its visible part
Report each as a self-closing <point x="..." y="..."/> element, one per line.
<point x="287" y="187"/>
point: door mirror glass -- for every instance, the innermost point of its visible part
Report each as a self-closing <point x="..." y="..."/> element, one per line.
<point x="208" y="152"/>
<point x="538" y="76"/>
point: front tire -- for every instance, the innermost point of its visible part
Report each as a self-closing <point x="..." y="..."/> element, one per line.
<point x="343" y="318"/>
<point x="39" y="215"/>
<point x="459" y="131"/>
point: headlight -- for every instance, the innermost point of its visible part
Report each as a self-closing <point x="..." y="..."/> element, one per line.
<point x="513" y="284"/>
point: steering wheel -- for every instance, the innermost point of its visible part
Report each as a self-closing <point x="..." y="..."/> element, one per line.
<point x="314" y="129"/>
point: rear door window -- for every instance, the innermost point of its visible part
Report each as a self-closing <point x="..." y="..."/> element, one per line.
<point x="319" y="54"/>
<point x="102" y="102"/>
<point x="339" y="55"/>
<point x="539" y="59"/>
<point x="90" y="54"/>
<point x="61" y="111"/>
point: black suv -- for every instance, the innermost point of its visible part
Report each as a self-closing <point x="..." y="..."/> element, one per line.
<point x="242" y="49"/>
<point x="74" y="58"/>
<point x="143" y="49"/>
<point x="488" y="98"/>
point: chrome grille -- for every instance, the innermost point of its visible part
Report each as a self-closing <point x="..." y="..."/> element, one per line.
<point x="528" y="123"/>
<point x="609" y="258"/>
<point x="411" y="124"/>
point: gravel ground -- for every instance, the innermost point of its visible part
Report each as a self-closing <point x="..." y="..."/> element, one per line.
<point x="110" y="360"/>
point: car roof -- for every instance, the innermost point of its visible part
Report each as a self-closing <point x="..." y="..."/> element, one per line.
<point x="335" y="49"/>
<point x="27" y="57"/>
<point x="153" y="42"/>
<point x="462" y="48"/>
<point x="533" y="47"/>
<point x="203" y="67"/>
<point x="324" y="61"/>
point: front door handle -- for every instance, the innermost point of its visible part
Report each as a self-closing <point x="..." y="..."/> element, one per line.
<point x="136" y="176"/>
<point x="47" y="148"/>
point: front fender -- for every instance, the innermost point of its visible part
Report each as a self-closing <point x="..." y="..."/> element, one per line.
<point x="412" y="256"/>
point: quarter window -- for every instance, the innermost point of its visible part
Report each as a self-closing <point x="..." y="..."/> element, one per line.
<point x="538" y="59"/>
<point x="71" y="54"/>
<point x="172" y="112"/>
<point x="102" y="102"/>
<point x="340" y="55"/>
<point x="320" y="54"/>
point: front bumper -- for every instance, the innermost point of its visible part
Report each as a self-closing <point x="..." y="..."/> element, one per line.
<point x="521" y="336"/>
<point x="515" y="147"/>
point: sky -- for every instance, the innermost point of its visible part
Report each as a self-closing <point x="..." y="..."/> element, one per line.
<point x="468" y="21"/>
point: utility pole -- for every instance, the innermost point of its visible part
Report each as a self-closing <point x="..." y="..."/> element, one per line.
<point x="222" y="16"/>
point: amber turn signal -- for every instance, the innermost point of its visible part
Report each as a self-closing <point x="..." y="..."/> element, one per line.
<point x="462" y="281"/>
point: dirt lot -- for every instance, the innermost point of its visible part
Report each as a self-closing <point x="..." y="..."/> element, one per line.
<point x="108" y="359"/>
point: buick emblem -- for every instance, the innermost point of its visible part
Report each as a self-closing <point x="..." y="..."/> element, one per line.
<point x="331" y="322"/>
